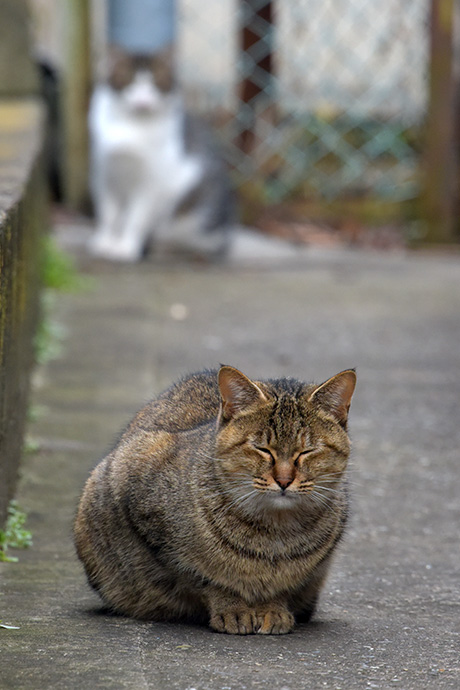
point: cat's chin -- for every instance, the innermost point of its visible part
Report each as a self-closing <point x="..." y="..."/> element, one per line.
<point x="277" y="507"/>
<point x="283" y="501"/>
<point x="268" y="502"/>
<point x="143" y="110"/>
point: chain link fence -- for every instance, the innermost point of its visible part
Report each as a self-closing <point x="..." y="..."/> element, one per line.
<point x="336" y="101"/>
<point x="313" y="98"/>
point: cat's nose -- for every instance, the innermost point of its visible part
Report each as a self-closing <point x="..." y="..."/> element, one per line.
<point x="284" y="482"/>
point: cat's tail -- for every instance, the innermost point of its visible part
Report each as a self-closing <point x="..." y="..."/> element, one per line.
<point x="250" y="247"/>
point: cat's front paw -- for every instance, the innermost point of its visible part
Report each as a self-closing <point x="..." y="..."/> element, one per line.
<point x="104" y="246"/>
<point x="275" y="622"/>
<point x="270" y="620"/>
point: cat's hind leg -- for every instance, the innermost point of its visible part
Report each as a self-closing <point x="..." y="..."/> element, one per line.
<point x="305" y="600"/>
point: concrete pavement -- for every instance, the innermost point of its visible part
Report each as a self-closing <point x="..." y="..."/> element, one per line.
<point x="390" y="613"/>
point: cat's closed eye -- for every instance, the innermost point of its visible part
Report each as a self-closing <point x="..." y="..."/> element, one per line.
<point x="303" y="454"/>
<point x="267" y="453"/>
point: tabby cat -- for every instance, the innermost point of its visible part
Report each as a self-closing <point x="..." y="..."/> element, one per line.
<point x="222" y="502"/>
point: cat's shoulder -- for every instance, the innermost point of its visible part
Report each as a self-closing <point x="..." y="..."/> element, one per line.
<point x="192" y="401"/>
<point x="206" y="378"/>
<point x="197" y="389"/>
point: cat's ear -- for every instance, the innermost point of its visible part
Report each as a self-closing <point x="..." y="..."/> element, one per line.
<point x="334" y="395"/>
<point x="238" y="393"/>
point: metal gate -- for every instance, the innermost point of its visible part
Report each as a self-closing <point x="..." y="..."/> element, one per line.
<point x="313" y="98"/>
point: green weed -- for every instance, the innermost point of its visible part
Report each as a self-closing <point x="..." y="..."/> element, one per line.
<point x="59" y="274"/>
<point x="50" y="334"/>
<point x="14" y="535"/>
<point x="58" y="269"/>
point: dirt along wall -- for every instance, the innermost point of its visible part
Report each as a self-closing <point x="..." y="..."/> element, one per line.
<point x="23" y="220"/>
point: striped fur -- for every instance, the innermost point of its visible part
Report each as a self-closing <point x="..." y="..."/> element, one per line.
<point x="223" y="502"/>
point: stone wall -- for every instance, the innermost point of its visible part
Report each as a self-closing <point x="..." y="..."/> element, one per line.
<point x="18" y="75"/>
<point x="22" y="222"/>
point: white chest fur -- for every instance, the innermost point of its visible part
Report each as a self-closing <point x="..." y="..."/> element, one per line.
<point x="154" y="137"/>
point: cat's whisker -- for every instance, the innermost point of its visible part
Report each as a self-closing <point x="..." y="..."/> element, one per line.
<point x="328" y="488"/>
<point x="235" y="488"/>
<point x="324" y="501"/>
<point x="337" y="478"/>
<point x="336" y="475"/>
<point x="349" y="480"/>
<point x="240" y="500"/>
<point x="323" y="504"/>
<point x="331" y="476"/>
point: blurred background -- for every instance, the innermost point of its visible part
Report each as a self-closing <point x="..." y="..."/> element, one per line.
<point x="339" y="119"/>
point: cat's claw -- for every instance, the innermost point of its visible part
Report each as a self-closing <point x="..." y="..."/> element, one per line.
<point x="253" y="622"/>
<point x="275" y="623"/>
<point x="232" y="623"/>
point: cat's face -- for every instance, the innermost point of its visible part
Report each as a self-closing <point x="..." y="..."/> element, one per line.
<point x="283" y="446"/>
<point x="143" y="83"/>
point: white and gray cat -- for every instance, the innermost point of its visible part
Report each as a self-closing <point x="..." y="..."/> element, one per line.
<point x="156" y="177"/>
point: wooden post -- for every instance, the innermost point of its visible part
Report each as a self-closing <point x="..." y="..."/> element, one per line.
<point x="251" y="86"/>
<point x="440" y="189"/>
<point x="75" y="98"/>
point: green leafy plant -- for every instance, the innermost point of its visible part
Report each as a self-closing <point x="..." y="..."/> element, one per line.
<point x="50" y="334"/>
<point x="14" y="535"/>
<point x="58" y="268"/>
<point x="31" y="446"/>
<point x="59" y="274"/>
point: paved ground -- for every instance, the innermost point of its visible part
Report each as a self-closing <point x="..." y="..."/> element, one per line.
<point x="390" y="614"/>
